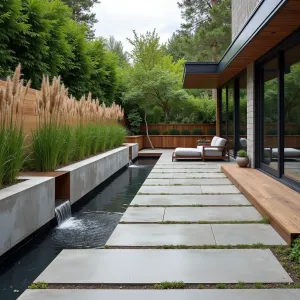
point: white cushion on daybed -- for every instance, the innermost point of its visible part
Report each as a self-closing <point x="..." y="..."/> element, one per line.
<point x="187" y="152"/>
<point x="214" y="140"/>
<point x="215" y="152"/>
<point x="220" y="142"/>
<point x="288" y="152"/>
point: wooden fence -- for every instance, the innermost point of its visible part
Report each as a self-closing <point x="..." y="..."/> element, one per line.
<point x="139" y="139"/>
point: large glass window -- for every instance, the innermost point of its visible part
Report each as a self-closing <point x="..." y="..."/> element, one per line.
<point x="270" y="115"/>
<point x="292" y="114"/>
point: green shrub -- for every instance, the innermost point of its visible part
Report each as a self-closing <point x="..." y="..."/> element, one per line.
<point x="135" y="120"/>
<point x="221" y="286"/>
<point x="295" y="251"/>
<point x="165" y="132"/>
<point x="211" y="131"/>
<point x="242" y="153"/>
<point x="66" y="152"/>
<point x="243" y="131"/>
<point x="197" y="131"/>
<point x="174" y="131"/>
<point x="185" y="132"/>
<point x="154" y="132"/>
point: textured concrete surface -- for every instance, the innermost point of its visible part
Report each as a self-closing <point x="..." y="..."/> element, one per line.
<point x="185" y="166"/>
<point x="88" y="174"/>
<point x="161" y="234"/>
<point x="24" y="208"/>
<point x="233" y="234"/>
<point x="200" y="170"/>
<point x="196" y="214"/>
<point x="186" y="175"/>
<point x="181" y="190"/>
<point x="198" y="181"/>
<point x="227" y="189"/>
<point x="169" y="200"/>
<point x="274" y="294"/>
<point x="141" y="266"/>
<point x="143" y="214"/>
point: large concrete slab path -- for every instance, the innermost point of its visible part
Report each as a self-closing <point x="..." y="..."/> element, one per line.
<point x="177" y="192"/>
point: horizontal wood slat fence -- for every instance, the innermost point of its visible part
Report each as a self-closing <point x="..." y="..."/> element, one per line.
<point x="180" y="127"/>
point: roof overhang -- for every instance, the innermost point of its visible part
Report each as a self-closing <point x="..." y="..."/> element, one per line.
<point x="270" y="23"/>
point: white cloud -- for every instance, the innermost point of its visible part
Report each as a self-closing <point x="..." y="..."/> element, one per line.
<point x="120" y="17"/>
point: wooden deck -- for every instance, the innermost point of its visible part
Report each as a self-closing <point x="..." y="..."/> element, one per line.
<point x="275" y="201"/>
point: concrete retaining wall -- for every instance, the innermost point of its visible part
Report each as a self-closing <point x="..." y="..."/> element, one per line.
<point x="24" y="208"/>
<point x="88" y="174"/>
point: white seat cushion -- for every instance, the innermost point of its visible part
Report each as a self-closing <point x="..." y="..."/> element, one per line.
<point x="215" y="152"/>
<point x="288" y="152"/>
<point x="220" y="142"/>
<point x="187" y="152"/>
<point x="214" y="140"/>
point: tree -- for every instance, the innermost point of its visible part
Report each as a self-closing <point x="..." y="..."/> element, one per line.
<point x="117" y="47"/>
<point x="81" y="11"/>
<point x="147" y="50"/>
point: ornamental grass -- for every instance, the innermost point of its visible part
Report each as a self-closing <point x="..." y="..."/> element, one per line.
<point x="12" y="95"/>
<point x="70" y="130"/>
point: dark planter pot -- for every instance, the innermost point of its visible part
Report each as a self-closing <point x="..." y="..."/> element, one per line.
<point x="243" y="162"/>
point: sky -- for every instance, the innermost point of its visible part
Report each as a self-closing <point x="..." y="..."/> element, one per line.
<point x="120" y="17"/>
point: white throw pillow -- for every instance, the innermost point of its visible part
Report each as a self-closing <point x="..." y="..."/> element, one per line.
<point x="214" y="140"/>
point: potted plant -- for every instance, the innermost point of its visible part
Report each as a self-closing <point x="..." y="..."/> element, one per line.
<point x="242" y="159"/>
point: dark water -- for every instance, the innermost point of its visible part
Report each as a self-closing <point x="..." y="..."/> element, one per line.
<point x="94" y="219"/>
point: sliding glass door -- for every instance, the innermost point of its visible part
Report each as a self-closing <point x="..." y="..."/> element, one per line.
<point x="278" y="115"/>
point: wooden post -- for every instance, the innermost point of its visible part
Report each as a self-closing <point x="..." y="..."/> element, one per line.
<point x="218" y="112"/>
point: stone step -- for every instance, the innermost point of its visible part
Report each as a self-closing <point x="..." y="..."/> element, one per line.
<point x="181" y="170"/>
<point x="173" y="200"/>
<point x="143" y="235"/>
<point x="271" y="294"/>
<point x="185" y="166"/>
<point x="147" y="266"/>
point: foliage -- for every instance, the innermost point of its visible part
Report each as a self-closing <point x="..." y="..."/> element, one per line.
<point x="154" y="132"/>
<point x="197" y="131"/>
<point x="221" y="286"/>
<point x="242" y="153"/>
<point x="295" y="251"/>
<point x="39" y="285"/>
<point x="211" y="131"/>
<point x="12" y="96"/>
<point x="165" y="132"/>
<point x="174" y="131"/>
<point x="81" y="11"/>
<point x="117" y="48"/>
<point x="134" y="118"/>
<point x="170" y="285"/>
<point x="185" y="132"/>
<point x="71" y="130"/>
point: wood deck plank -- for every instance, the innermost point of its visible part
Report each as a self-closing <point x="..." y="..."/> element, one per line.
<point x="272" y="199"/>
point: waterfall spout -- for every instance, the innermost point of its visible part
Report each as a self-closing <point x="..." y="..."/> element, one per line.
<point x="63" y="212"/>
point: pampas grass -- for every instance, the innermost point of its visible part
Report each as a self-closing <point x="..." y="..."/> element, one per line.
<point x="12" y="96"/>
<point x="71" y="130"/>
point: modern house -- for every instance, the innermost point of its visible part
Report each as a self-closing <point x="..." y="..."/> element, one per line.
<point x="259" y="77"/>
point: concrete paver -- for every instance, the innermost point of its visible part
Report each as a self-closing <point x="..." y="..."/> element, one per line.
<point x="169" y="200"/>
<point x="145" y="266"/>
<point x="272" y="294"/>
<point x="180" y="190"/>
<point x="143" y="214"/>
<point x="211" y="214"/>
<point x="247" y="234"/>
<point x="161" y="234"/>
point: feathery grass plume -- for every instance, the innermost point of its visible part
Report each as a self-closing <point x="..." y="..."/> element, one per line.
<point x="12" y="96"/>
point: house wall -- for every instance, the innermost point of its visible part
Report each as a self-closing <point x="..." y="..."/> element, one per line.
<point x="241" y="11"/>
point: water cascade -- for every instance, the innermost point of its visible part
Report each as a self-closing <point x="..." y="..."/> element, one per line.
<point x="63" y="212"/>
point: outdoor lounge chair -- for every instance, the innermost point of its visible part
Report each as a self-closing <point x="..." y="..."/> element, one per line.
<point x="216" y="150"/>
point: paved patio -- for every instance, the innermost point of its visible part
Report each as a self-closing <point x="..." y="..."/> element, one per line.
<point x="182" y="192"/>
